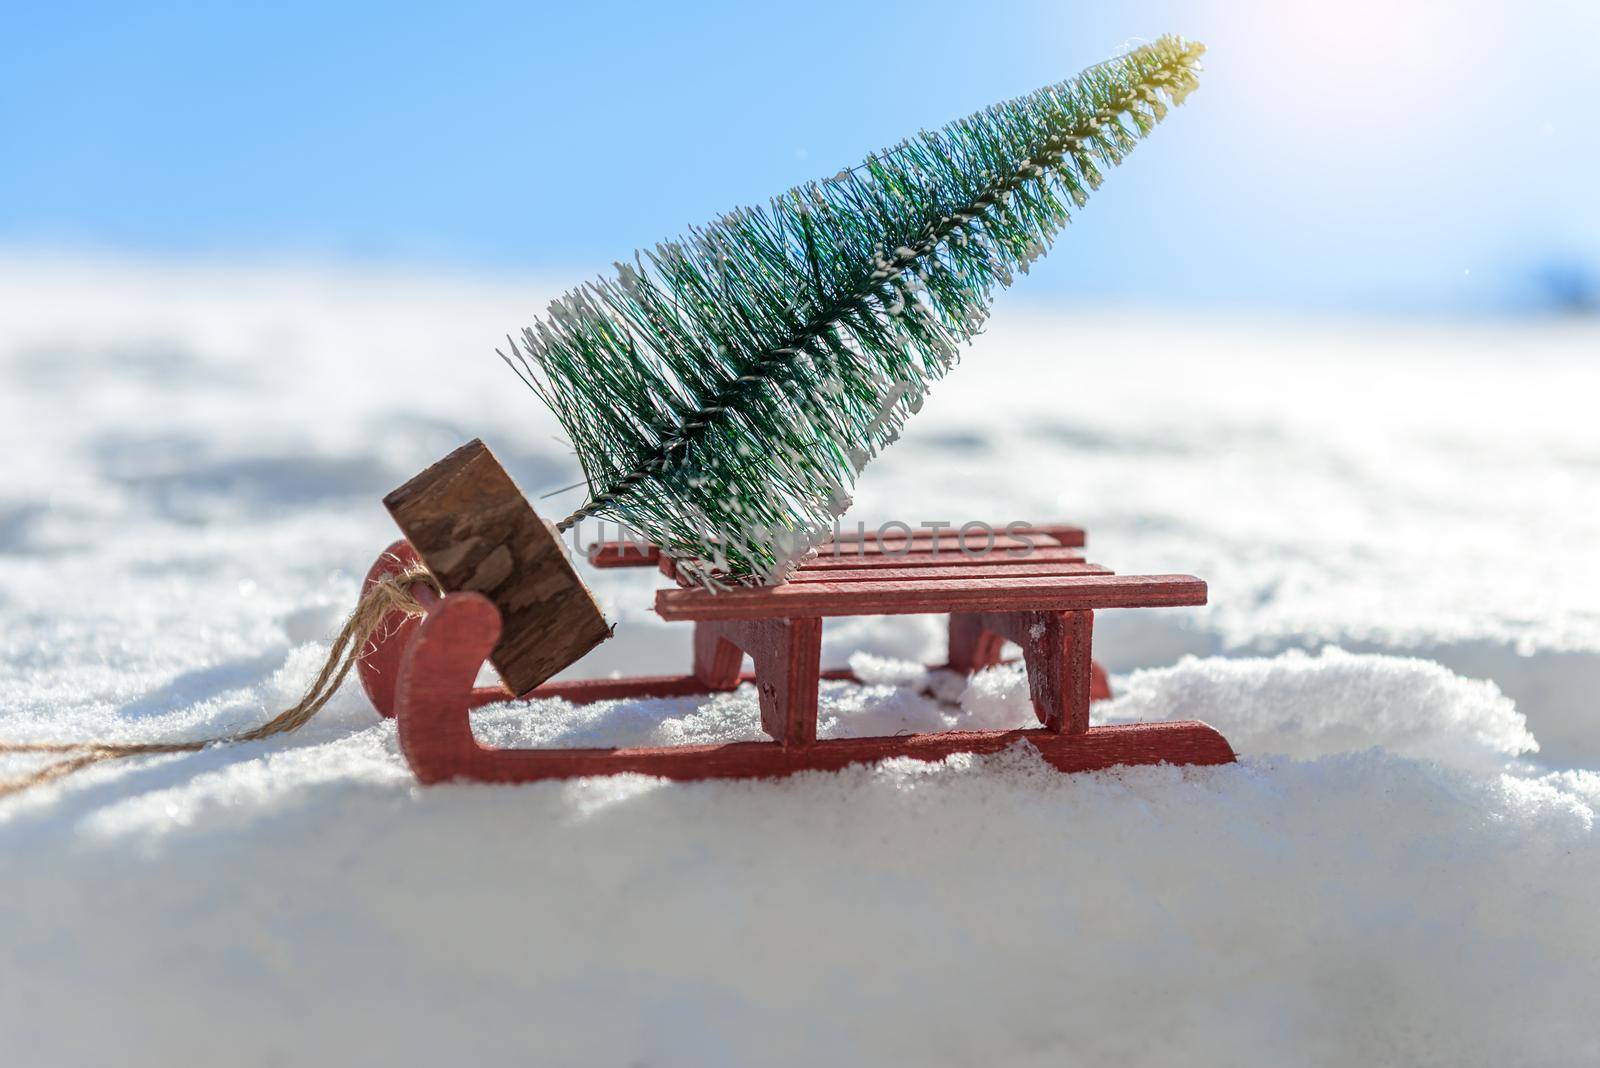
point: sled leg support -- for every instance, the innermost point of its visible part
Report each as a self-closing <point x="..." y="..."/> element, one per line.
<point x="1053" y="644"/>
<point x="788" y="659"/>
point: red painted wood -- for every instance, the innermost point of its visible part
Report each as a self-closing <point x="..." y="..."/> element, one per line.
<point x="973" y="648"/>
<point x="717" y="659"/>
<point x="787" y="654"/>
<point x="1032" y="593"/>
<point x="451" y="645"/>
<point x="1049" y="554"/>
<point x="1056" y="649"/>
<point x="432" y="681"/>
<point x="588" y="691"/>
<point x="1181" y="742"/>
<point x="1099" y="682"/>
<point x="609" y="554"/>
<point x="949" y="545"/>
<point x="946" y="535"/>
<point x="948" y="573"/>
<point x="437" y="671"/>
<point x="623" y="554"/>
<point x="943" y="561"/>
<point x="379" y="665"/>
<point x="635" y="687"/>
<point x="1063" y="534"/>
<point x="918" y="558"/>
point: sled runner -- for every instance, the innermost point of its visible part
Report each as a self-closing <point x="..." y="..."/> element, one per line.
<point x="1041" y="595"/>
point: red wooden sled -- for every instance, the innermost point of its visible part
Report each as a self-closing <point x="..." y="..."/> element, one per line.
<point x="1034" y="588"/>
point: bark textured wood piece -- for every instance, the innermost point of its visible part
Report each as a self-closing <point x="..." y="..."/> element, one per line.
<point x="476" y="532"/>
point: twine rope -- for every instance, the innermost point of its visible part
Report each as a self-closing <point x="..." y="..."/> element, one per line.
<point x="392" y="593"/>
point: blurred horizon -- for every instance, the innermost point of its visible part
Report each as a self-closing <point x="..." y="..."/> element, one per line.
<point x="1438" y="159"/>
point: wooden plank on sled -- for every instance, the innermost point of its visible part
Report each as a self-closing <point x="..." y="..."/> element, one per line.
<point x="626" y="553"/>
<point x="1019" y="594"/>
<point x="949" y="573"/>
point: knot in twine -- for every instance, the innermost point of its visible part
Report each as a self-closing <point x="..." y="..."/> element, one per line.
<point x="392" y="593"/>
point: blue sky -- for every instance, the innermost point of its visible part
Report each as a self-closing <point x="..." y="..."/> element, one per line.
<point x="1435" y="156"/>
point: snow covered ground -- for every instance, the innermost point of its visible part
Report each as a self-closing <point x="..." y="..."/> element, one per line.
<point x="1397" y="522"/>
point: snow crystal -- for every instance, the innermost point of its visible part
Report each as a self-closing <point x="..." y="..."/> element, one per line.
<point x="886" y="671"/>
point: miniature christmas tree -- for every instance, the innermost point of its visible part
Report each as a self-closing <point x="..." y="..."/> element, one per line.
<point x="724" y="390"/>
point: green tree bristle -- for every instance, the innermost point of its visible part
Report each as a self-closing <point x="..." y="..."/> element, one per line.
<point x="724" y="391"/>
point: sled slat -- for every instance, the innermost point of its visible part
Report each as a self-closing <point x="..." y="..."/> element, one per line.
<point x="623" y="554"/>
<point x="608" y="554"/>
<point x="1016" y="594"/>
<point x="949" y="572"/>
<point x="1056" y="535"/>
<point x="850" y="561"/>
<point x="949" y="545"/>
